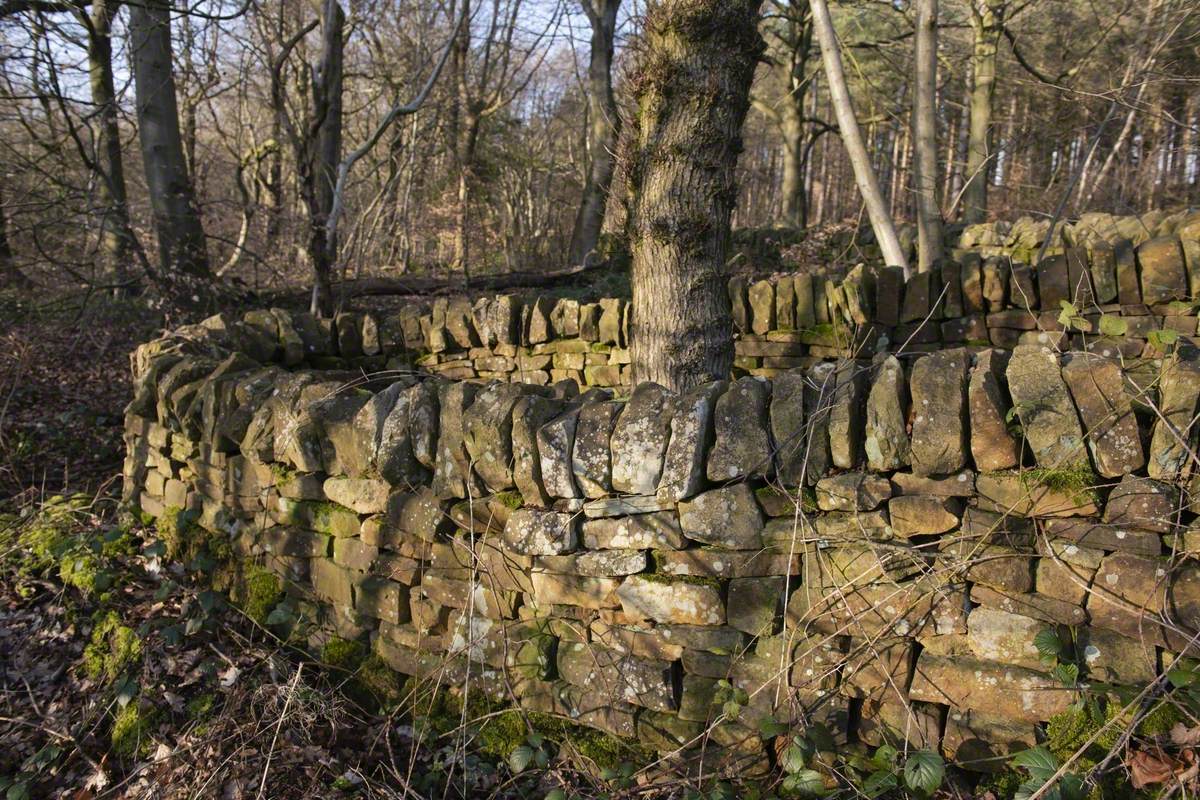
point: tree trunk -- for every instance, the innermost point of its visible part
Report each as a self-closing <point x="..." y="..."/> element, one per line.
<point x="183" y="258"/>
<point x="603" y="129"/>
<point x="986" y="28"/>
<point x="929" y="214"/>
<point x="864" y="176"/>
<point x="692" y="91"/>
<point x="10" y="276"/>
<point x="116" y="236"/>
<point x="794" y="197"/>
<point x="327" y="152"/>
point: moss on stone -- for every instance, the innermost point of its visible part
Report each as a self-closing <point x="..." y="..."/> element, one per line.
<point x="1077" y="482"/>
<point x="112" y="649"/>
<point x="510" y="499"/>
<point x="694" y="580"/>
<point x="259" y="593"/>
<point x="384" y="684"/>
<point x="343" y="654"/>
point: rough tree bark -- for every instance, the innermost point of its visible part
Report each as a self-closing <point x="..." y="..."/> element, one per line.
<point x="856" y="151"/>
<point x="603" y="129"/>
<point x="326" y="153"/>
<point x="925" y="163"/>
<point x="183" y="257"/>
<point x="116" y="237"/>
<point x="986" y="18"/>
<point x="692" y="91"/>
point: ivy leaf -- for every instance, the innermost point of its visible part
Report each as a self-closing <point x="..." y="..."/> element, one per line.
<point x="924" y="771"/>
<point x="280" y="615"/>
<point x="556" y="794"/>
<point x="520" y="757"/>
<point x="1068" y="313"/>
<point x="1113" y="326"/>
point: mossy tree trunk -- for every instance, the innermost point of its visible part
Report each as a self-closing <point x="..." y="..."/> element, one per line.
<point x="692" y="89"/>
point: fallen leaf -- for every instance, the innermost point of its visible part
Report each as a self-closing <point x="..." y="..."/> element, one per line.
<point x="1184" y="736"/>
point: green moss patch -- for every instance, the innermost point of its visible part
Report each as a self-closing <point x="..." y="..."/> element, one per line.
<point x="113" y="649"/>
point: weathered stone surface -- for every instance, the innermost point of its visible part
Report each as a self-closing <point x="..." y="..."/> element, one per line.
<point x="1038" y="606"/>
<point x="639" y="681"/>
<point x="1089" y="533"/>
<point x="755" y="605"/>
<point x="984" y="742"/>
<point x="452" y="470"/>
<point x="802" y="287"/>
<point x="684" y="467"/>
<point x="910" y="608"/>
<point x="886" y="432"/>
<point x="743" y="445"/>
<point x="419" y="513"/>
<point x="997" y="566"/>
<point x="591" y="462"/>
<point x="846" y="414"/>
<point x="625" y="505"/>
<point x="788" y="426"/>
<point x="1117" y="659"/>
<point x="530" y="413"/>
<point x="962" y="683"/>
<point x="739" y="304"/>
<point x="656" y="530"/>
<point x="920" y="297"/>
<point x="762" y="307"/>
<point x="600" y="563"/>
<point x="704" y="562"/>
<point x="1054" y="284"/>
<point x="1013" y="493"/>
<point x="1174" y="432"/>
<point x="1142" y="503"/>
<point x="639" y="440"/>
<point x="552" y="588"/>
<point x="960" y="485"/>
<point x="995" y="282"/>
<point x="818" y="397"/>
<point x="540" y="533"/>
<point x="1002" y="637"/>
<point x="1098" y="389"/>
<point x="993" y="446"/>
<point x="1044" y="406"/>
<point x="363" y="495"/>
<point x="487" y="433"/>
<point x="918" y="515"/>
<point x="852" y="491"/>
<point x="728" y="517"/>
<point x="1128" y="596"/>
<point x="939" y="408"/>
<point x="424" y="416"/>
<point x="1164" y="276"/>
<point x="671" y="601"/>
<point x="556" y="439"/>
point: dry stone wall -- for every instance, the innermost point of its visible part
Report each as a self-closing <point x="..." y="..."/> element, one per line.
<point x="869" y="544"/>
